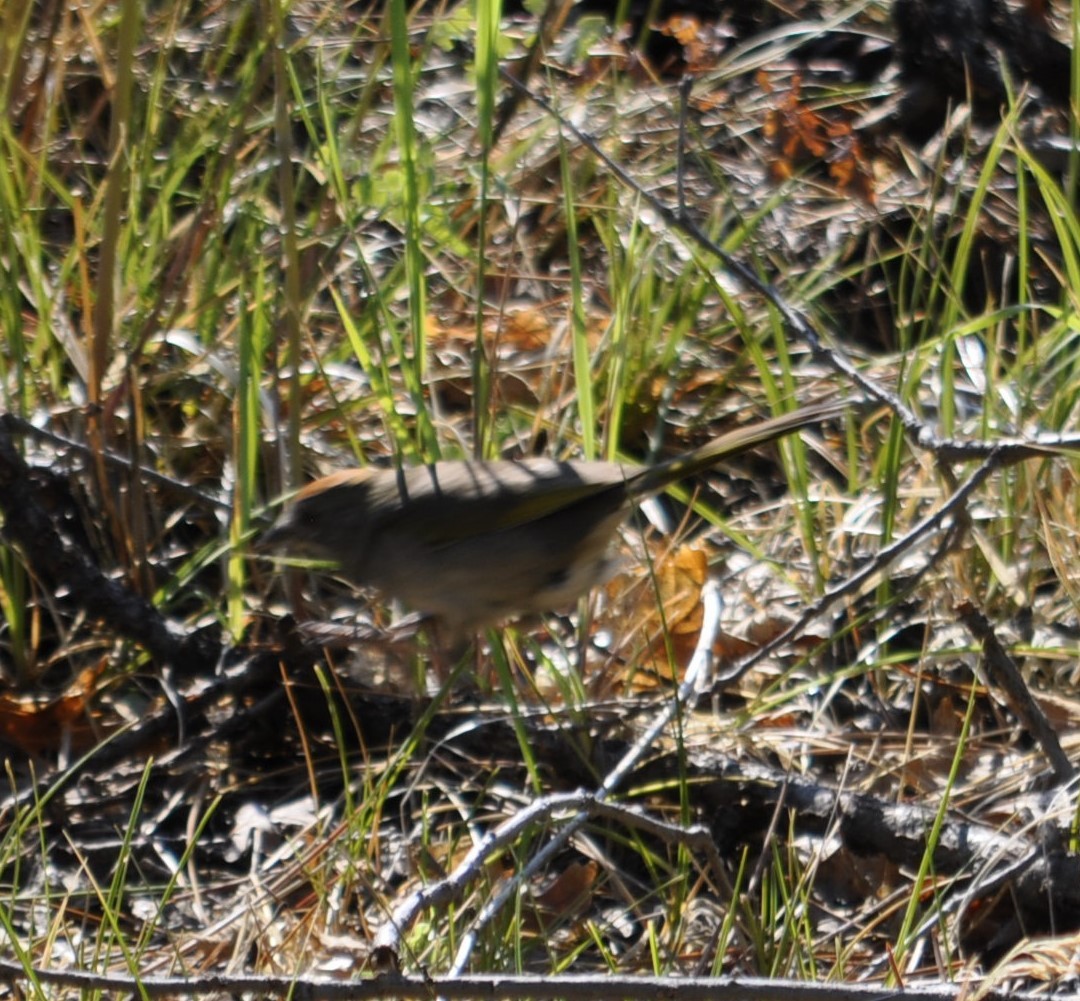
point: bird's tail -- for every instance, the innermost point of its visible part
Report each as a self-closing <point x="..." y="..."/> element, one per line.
<point x="658" y="477"/>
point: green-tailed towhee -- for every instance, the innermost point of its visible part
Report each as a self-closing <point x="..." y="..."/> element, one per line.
<point x="474" y="542"/>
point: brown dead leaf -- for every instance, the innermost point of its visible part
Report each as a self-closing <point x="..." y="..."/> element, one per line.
<point x="764" y="629"/>
<point x="527" y="329"/>
<point x="666" y="611"/>
<point x="1061" y="711"/>
<point x="703" y="43"/>
<point x="40" y="727"/>
<point x="518" y="337"/>
<point x="570" y="891"/>
<point x="800" y="136"/>
<point x="945" y="720"/>
<point x="687" y="31"/>
<point x="847" y="878"/>
<point x="563" y="902"/>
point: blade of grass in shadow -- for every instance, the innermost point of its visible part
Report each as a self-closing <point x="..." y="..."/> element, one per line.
<point x="906" y="936"/>
<point x="23" y="257"/>
<point x="146" y="943"/>
<point x="114" y="218"/>
<point x="724" y="935"/>
<point x="116" y="191"/>
<point x="1022" y="361"/>
<point x="922" y="286"/>
<point x="1072" y="175"/>
<point x="253" y="336"/>
<point x="503" y="645"/>
<point x="1063" y="215"/>
<point x="960" y="267"/>
<point x="777" y="379"/>
<point x="1048" y="372"/>
<point x="22" y="956"/>
<point x="488" y="16"/>
<point x="380" y="377"/>
<point x="292" y="306"/>
<point x="779" y="382"/>
<point x="341" y="743"/>
<point x="112" y="932"/>
<point x="413" y="363"/>
<point x="1024" y="289"/>
<point x="624" y="265"/>
<point x="15" y="614"/>
<point x="23" y="262"/>
<point x="889" y="471"/>
<point x="26" y="816"/>
<point x="15" y="21"/>
<point x="583" y="370"/>
<point x="331" y="155"/>
<point x="113" y="900"/>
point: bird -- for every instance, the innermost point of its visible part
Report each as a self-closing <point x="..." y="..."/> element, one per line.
<point x="473" y="543"/>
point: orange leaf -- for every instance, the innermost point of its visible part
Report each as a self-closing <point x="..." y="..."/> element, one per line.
<point x="40" y="727"/>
